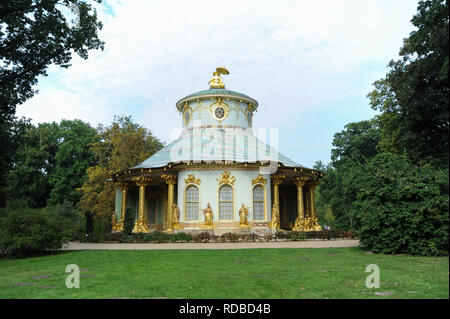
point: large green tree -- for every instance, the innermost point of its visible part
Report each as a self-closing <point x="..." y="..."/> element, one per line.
<point x="72" y="159"/>
<point x="401" y="207"/>
<point x="354" y="146"/>
<point x="33" y="35"/>
<point x="51" y="163"/>
<point x="121" y="145"/>
<point x="413" y="98"/>
<point x="33" y="163"/>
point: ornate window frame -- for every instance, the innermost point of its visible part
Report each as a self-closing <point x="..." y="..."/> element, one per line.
<point x="259" y="181"/>
<point x="226" y="179"/>
<point x="185" y="203"/>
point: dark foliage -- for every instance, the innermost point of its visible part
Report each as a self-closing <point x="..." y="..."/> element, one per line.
<point x="27" y="231"/>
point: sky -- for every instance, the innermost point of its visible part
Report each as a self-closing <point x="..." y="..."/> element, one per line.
<point x="309" y="64"/>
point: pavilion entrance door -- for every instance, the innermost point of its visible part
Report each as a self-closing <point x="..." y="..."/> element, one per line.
<point x="283" y="215"/>
<point x="151" y="210"/>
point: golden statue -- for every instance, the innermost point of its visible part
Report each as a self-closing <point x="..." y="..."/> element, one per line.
<point x="275" y="217"/>
<point x="208" y="215"/>
<point x="114" y="222"/>
<point x="315" y="224"/>
<point x="175" y="216"/>
<point x="243" y="212"/>
<point x="308" y="223"/>
<point x="140" y="226"/>
<point x="216" y="81"/>
<point x="299" y="224"/>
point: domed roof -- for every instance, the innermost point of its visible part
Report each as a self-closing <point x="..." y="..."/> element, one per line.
<point x="215" y="92"/>
<point x="197" y="145"/>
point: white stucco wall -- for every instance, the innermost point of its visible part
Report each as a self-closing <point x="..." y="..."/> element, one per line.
<point x="209" y="187"/>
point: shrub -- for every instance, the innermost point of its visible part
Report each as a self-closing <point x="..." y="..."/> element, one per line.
<point x="296" y="236"/>
<point x="71" y="213"/>
<point x="401" y="207"/>
<point x="182" y="237"/>
<point x="112" y="236"/>
<point x="27" y="231"/>
<point x="203" y="237"/>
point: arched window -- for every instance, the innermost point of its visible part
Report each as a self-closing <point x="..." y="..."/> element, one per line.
<point x="258" y="202"/>
<point x="226" y="202"/>
<point x="192" y="203"/>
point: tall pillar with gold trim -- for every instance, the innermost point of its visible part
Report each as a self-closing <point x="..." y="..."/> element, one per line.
<point x="170" y="180"/>
<point x="140" y="225"/>
<point x="300" y="220"/>
<point x="124" y="186"/>
<point x="314" y="218"/>
<point x="276" y="179"/>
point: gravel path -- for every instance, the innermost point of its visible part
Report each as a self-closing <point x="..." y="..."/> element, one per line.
<point x="245" y="245"/>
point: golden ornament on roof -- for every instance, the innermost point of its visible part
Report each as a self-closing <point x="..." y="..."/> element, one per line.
<point x="216" y="81"/>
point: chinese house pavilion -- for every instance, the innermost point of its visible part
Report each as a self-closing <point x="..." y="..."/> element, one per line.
<point x="217" y="175"/>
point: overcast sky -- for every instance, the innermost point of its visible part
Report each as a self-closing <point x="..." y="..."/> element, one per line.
<point x="309" y="64"/>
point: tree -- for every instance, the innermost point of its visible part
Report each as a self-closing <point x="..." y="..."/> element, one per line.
<point x="401" y="207"/>
<point x="413" y="98"/>
<point x="121" y="145"/>
<point x="72" y="159"/>
<point x="353" y="146"/>
<point x="33" y="35"/>
<point x="51" y="163"/>
<point x="357" y="143"/>
<point x="12" y="135"/>
<point x="33" y="163"/>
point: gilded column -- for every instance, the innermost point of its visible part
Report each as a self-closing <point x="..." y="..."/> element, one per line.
<point x="300" y="220"/>
<point x="314" y="218"/>
<point x="124" y="186"/>
<point x="140" y="225"/>
<point x="170" y="180"/>
<point x="276" y="179"/>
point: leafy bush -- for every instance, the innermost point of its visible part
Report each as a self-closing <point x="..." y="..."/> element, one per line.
<point x="117" y="236"/>
<point x="203" y="237"/>
<point x="71" y="213"/>
<point x="401" y="207"/>
<point x="183" y="237"/>
<point x="296" y="236"/>
<point x="28" y="231"/>
<point x="230" y="237"/>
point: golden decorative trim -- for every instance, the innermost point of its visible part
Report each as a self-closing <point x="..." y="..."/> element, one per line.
<point x="142" y="180"/>
<point x="219" y="103"/>
<point x="249" y="111"/>
<point x="277" y="179"/>
<point x="187" y="109"/>
<point x="169" y="178"/>
<point x="123" y="185"/>
<point x="192" y="180"/>
<point x="300" y="181"/>
<point x="259" y="180"/>
<point x="226" y="178"/>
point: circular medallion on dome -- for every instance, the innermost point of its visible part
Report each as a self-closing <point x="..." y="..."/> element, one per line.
<point x="219" y="112"/>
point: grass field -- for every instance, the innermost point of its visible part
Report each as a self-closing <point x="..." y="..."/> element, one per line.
<point x="246" y="273"/>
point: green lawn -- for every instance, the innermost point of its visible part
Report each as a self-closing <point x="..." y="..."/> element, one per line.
<point x="246" y="273"/>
